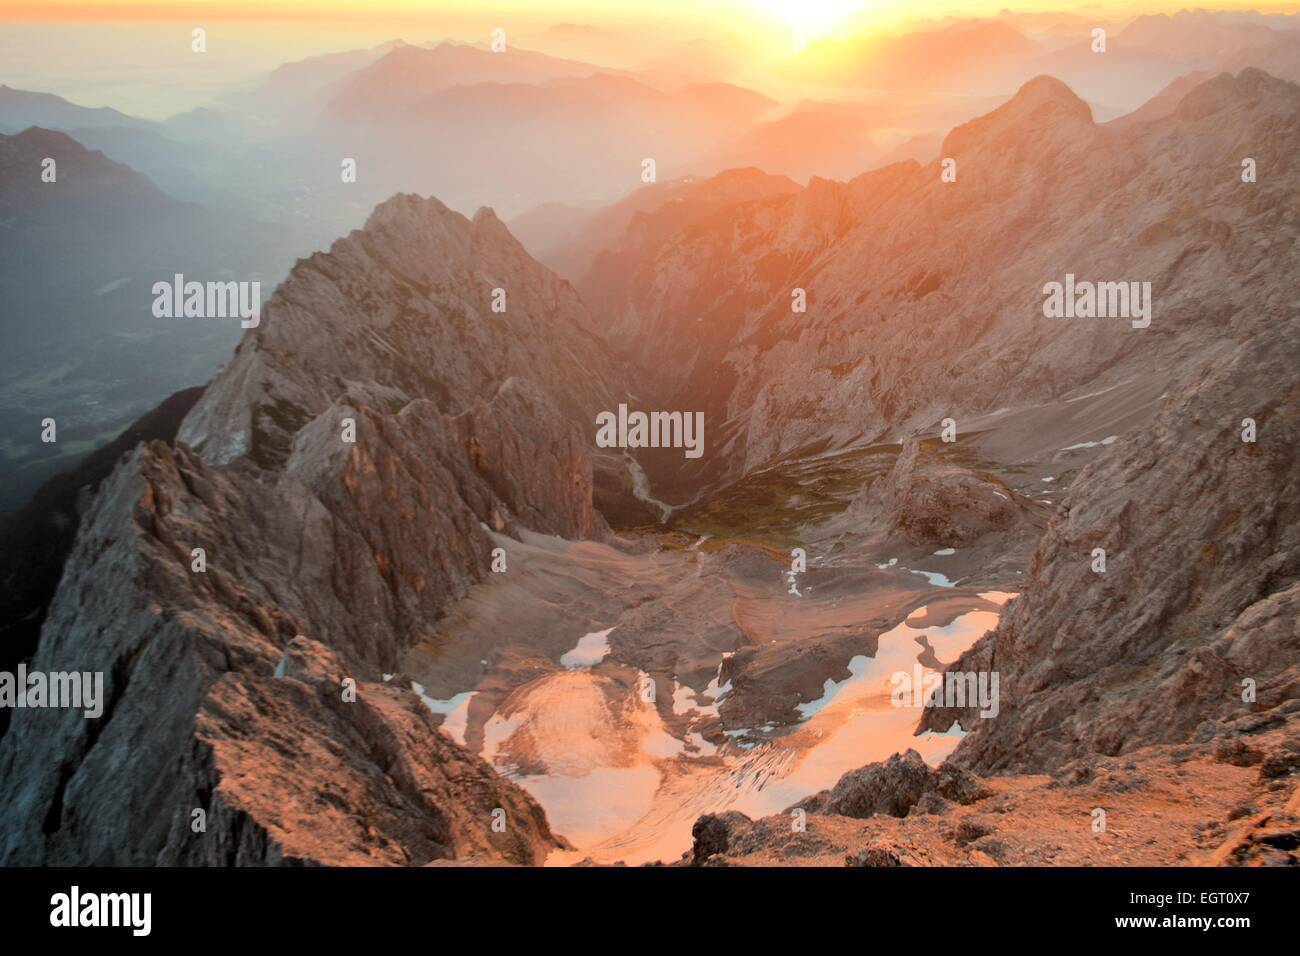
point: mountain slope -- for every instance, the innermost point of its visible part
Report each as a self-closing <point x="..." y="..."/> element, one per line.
<point x="459" y="129"/>
<point x="1201" y="591"/>
<point x="80" y="256"/>
<point x="305" y="86"/>
<point x="326" y="559"/>
<point x="1164" y="102"/>
<point x="568" y="240"/>
<point x="967" y="54"/>
<point x="925" y="298"/>
<point x="20" y="109"/>
<point x="407" y="74"/>
<point x="925" y="301"/>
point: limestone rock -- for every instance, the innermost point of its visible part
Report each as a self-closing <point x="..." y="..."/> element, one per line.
<point x="251" y="690"/>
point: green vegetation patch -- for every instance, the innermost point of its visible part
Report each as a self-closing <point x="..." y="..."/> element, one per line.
<point x="769" y="507"/>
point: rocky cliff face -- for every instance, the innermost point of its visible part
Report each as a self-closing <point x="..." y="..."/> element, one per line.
<point x="925" y="297"/>
<point x="1191" y="631"/>
<point x="39" y="537"/>
<point x="325" y="559"/>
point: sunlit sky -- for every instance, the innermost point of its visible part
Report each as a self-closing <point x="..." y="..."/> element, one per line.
<point x="136" y="57"/>
<point x="812" y="15"/>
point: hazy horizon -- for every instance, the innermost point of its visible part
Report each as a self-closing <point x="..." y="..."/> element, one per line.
<point x="90" y="52"/>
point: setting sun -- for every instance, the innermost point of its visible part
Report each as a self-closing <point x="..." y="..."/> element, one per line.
<point x="814" y="16"/>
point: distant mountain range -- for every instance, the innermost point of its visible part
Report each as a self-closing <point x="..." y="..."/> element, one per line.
<point x="991" y="55"/>
<point x="81" y="255"/>
<point x="20" y="109"/>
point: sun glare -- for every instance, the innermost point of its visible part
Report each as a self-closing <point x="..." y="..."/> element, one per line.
<point x="813" y="17"/>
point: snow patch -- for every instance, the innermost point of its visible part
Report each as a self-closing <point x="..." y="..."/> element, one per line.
<point x="1108" y="440"/>
<point x="590" y="651"/>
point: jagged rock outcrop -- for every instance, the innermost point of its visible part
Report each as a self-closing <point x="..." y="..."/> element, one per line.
<point x="893" y="787"/>
<point x="881" y="853"/>
<point x="253" y="690"/>
<point x="1165" y="805"/>
<point x="718" y="833"/>
<point x="890" y="787"/>
<point x="927" y="500"/>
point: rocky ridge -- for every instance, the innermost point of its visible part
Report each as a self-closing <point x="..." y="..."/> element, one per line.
<point x="925" y="297"/>
<point x="1163" y="805"/>
<point x="325" y="560"/>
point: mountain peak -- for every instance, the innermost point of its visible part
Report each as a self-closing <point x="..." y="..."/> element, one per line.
<point x="744" y="183"/>
<point x="39" y="135"/>
<point x="417" y="236"/>
<point x="23" y="108"/>
<point x="1048" y="90"/>
<point x="407" y="219"/>
<point x="1241" y="91"/>
<point x="89" y="169"/>
<point x="403" y="205"/>
<point x="1043" y="110"/>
